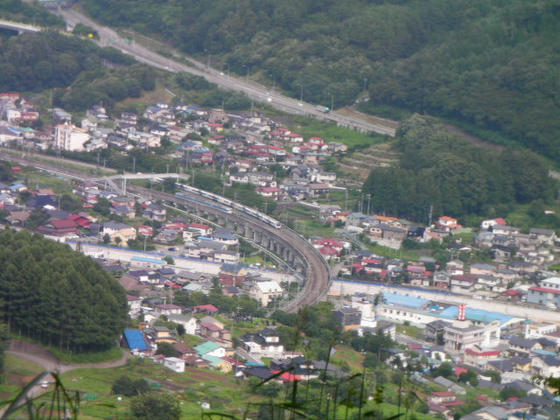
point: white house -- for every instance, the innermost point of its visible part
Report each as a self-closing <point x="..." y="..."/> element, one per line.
<point x="546" y="366"/>
<point x="175" y="364"/>
<point x="266" y="343"/>
<point x="190" y="323"/>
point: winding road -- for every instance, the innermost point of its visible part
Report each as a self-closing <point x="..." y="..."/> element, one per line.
<point x="255" y="91"/>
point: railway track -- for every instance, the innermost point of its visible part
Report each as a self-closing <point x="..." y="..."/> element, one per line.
<point x="318" y="273"/>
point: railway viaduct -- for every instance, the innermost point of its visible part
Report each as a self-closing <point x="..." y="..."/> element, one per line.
<point x="291" y="248"/>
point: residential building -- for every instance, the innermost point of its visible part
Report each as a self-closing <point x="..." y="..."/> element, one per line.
<point x="175" y="364"/>
<point x="265" y="343"/>
<point x="265" y="291"/>
<point x="71" y="138"/>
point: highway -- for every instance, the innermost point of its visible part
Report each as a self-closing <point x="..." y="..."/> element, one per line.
<point x="255" y="91"/>
<point x="318" y="273"/>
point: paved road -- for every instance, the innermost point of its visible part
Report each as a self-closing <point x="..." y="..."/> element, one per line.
<point x="109" y="37"/>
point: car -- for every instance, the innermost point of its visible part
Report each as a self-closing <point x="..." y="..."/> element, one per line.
<point x="44" y="384"/>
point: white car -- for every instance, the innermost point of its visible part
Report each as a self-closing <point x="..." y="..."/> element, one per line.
<point x="44" y="384"/>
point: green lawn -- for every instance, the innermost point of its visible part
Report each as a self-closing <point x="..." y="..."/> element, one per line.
<point x="393" y="253"/>
<point x="348" y="355"/>
<point x="310" y="127"/>
<point x="410" y="331"/>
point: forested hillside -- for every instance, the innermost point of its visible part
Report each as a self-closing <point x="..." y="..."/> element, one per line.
<point x="454" y="177"/>
<point x="84" y="74"/>
<point x="494" y="63"/>
<point x="19" y="11"/>
<point x="57" y="296"/>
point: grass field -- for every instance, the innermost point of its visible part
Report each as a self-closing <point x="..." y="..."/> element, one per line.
<point x="222" y="392"/>
<point x="18" y="372"/>
<point x="347" y="354"/>
<point x="310" y="127"/>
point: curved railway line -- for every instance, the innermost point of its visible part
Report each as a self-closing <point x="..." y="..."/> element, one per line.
<point x="317" y="269"/>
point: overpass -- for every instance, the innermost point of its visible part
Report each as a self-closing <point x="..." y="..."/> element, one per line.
<point x="292" y="248"/>
<point x="112" y="180"/>
<point x="18" y="27"/>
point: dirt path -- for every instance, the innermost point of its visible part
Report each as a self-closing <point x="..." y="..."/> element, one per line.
<point x="37" y="354"/>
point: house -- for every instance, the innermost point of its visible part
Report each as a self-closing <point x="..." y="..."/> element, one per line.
<point x="265" y="343"/>
<point x="175" y="364"/>
<point x="487" y="413"/>
<point x="169" y="309"/>
<point x="118" y="230"/>
<point x="546" y="366"/>
<point x="208" y="309"/>
<point x="189" y="323"/>
<point x="479" y="357"/>
<point x="134" y="340"/>
<point x="265" y="291"/>
<point x="519" y="346"/>
<point x="134" y="305"/>
<point x="547" y="293"/>
<point x="155" y="212"/>
<point x="185" y="352"/>
<point x="233" y="275"/>
<point x="160" y="334"/>
<point x="450" y="386"/>
<point x="59" y="228"/>
<point x="209" y="348"/>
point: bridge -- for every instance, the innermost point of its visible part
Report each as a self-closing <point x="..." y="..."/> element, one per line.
<point x="18" y="27"/>
<point x="113" y="180"/>
<point x="292" y="248"/>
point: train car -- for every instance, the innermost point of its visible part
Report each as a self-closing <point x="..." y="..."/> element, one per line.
<point x="224" y="209"/>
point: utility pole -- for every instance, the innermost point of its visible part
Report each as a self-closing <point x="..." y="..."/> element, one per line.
<point x="133" y="164"/>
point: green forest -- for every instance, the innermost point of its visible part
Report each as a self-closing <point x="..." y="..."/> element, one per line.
<point x="492" y="64"/>
<point x="80" y="73"/>
<point x="453" y="176"/>
<point x="18" y="11"/>
<point x="57" y="296"/>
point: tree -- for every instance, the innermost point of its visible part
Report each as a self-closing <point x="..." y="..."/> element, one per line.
<point x="106" y="239"/>
<point x="180" y="330"/>
<point x="167" y="350"/>
<point x="128" y="387"/>
<point x="46" y="294"/>
<point x="4" y="341"/>
<point x="494" y="374"/>
<point x="118" y="240"/>
<point x="445" y="370"/>
<point x="470" y="377"/>
<point x="509" y="391"/>
<point x="36" y="219"/>
<point x="69" y="202"/>
<point x="155" y="406"/>
<point x="169" y="260"/>
<point x="103" y="206"/>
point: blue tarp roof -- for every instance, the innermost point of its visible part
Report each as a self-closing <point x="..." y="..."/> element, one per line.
<point x="404" y="300"/>
<point x="135" y="340"/>
<point x="480" y="315"/>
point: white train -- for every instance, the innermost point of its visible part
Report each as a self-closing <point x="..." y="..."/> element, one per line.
<point x="231" y="204"/>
